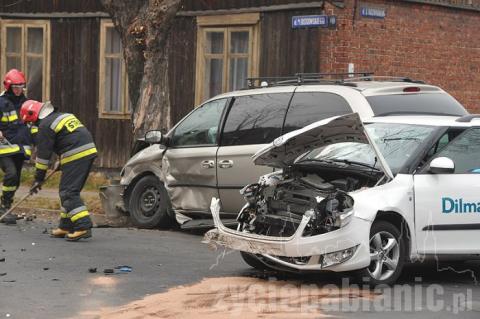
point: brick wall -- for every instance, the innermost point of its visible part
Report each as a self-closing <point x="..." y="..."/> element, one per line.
<point x="436" y="44"/>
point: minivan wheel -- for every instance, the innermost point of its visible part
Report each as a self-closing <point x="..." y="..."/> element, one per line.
<point x="148" y="204"/>
<point x="387" y="255"/>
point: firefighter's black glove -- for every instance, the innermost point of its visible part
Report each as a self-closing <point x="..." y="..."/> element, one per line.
<point x="36" y="186"/>
<point x="40" y="175"/>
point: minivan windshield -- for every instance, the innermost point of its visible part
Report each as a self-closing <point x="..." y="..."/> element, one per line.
<point x="424" y="103"/>
<point x="397" y="143"/>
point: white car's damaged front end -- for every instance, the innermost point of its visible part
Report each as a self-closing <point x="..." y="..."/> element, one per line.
<point x="302" y="217"/>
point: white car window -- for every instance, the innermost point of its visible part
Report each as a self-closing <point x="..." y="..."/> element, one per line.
<point x="464" y="151"/>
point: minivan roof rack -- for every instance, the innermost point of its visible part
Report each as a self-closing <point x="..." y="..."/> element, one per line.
<point x="384" y="78"/>
<point x="304" y="78"/>
<point x="467" y="118"/>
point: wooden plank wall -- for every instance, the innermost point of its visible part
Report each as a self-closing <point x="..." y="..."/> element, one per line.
<point x="182" y="67"/>
<point x="50" y="6"/>
<point x="74" y="86"/>
<point x="194" y="5"/>
<point x="285" y="51"/>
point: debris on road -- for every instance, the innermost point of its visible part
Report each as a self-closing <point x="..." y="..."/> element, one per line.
<point x="2" y="260"/>
<point x="124" y="268"/>
<point x="92" y="270"/>
<point x="117" y="270"/>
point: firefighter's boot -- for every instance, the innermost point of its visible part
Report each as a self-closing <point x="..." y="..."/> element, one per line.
<point x="79" y="234"/>
<point x="82" y="227"/>
<point x="59" y="233"/>
<point x="65" y="226"/>
<point x="10" y="219"/>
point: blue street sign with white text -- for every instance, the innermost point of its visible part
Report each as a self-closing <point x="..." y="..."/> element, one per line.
<point x="310" y="21"/>
<point x="376" y="13"/>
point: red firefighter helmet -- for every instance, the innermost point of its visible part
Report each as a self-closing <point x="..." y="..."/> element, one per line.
<point x="13" y="77"/>
<point x="30" y="110"/>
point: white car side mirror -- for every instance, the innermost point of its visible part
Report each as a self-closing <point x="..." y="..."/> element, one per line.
<point x="442" y="165"/>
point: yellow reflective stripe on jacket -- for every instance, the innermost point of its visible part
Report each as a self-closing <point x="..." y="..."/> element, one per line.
<point x="60" y="124"/>
<point x="9" y="188"/>
<point x="6" y="149"/>
<point x="28" y="150"/>
<point x="34" y="130"/>
<point x="63" y="215"/>
<point x="9" y="117"/>
<point x="41" y="166"/>
<point x="76" y="217"/>
<point x="68" y="159"/>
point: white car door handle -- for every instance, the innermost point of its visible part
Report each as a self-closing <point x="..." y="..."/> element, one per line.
<point x="225" y="164"/>
<point x="208" y="164"/>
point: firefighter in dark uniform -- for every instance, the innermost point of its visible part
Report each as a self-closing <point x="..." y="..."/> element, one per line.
<point x="14" y="139"/>
<point x="63" y="134"/>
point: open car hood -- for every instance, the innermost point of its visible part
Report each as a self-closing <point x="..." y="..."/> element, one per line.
<point x="284" y="150"/>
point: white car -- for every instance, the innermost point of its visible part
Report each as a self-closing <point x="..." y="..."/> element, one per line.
<point x="348" y="196"/>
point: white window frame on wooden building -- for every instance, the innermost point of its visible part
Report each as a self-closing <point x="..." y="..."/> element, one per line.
<point x="225" y="25"/>
<point x="123" y="109"/>
<point x="24" y="55"/>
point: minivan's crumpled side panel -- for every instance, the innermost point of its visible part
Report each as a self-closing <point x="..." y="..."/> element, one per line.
<point x="190" y="184"/>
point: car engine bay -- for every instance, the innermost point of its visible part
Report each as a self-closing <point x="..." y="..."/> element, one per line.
<point x="277" y="203"/>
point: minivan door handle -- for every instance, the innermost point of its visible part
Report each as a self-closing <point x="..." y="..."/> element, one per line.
<point x="225" y="164"/>
<point x="208" y="164"/>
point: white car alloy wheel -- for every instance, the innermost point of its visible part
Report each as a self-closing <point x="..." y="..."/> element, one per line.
<point x="384" y="255"/>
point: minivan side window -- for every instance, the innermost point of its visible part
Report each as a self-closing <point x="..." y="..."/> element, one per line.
<point x="201" y="126"/>
<point x="309" y="107"/>
<point x="255" y="119"/>
<point x="464" y="151"/>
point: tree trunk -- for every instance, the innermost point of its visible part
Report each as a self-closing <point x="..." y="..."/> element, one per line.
<point x="144" y="26"/>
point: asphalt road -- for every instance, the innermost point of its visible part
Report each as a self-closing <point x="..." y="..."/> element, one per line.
<point x="49" y="278"/>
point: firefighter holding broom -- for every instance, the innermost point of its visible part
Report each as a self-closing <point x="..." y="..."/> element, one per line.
<point x="63" y="134"/>
<point x="15" y="140"/>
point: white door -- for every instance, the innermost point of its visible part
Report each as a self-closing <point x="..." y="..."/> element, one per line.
<point x="447" y="206"/>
